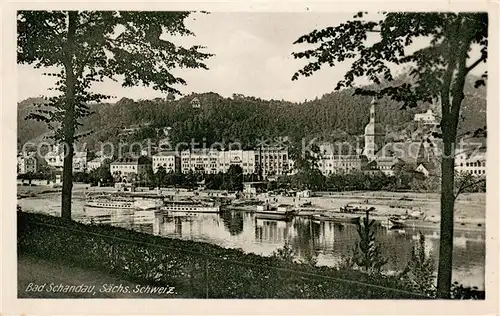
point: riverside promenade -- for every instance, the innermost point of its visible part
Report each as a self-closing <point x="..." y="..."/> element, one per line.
<point x="58" y="279"/>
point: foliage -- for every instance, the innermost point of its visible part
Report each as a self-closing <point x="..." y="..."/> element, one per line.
<point x="310" y="258"/>
<point x="36" y="176"/>
<point x="430" y="184"/>
<point x="234" y="179"/>
<point x="101" y="175"/>
<point x="160" y="177"/>
<point x="460" y="292"/>
<point x="392" y="33"/>
<point x="308" y="176"/>
<point x="367" y="255"/>
<point x="356" y="181"/>
<point x="285" y="253"/>
<point x="437" y="72"/>
<point x="420" y="269"/>
<point x="81" y="177"/>
<point x="85" y="47"/>
<point x="468" y="182"/>
<point x="148" y="178"/>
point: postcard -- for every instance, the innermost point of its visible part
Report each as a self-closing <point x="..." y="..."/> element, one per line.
<point x="250" y="158"/>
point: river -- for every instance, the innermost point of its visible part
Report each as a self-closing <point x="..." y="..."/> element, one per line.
<point x="328" y="242"/>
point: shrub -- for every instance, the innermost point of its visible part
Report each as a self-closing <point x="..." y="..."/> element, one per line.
<point x="367" y="255"/>
<point x="419" y="272"/>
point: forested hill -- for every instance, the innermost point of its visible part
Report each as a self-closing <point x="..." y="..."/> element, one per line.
<point x="335" y="116"/>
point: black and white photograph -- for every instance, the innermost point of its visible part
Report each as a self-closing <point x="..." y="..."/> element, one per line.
<point x="198" y="154"/>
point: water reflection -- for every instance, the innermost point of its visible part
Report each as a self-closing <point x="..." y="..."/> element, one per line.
<point x="328" y="241"/>
<point x="233" y="221"/>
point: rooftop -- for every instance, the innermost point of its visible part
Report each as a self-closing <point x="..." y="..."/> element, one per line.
<point x="166" y="153"/>
<point x="131" y="160"/>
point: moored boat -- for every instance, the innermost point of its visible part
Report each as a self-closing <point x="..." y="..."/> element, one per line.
<point x="190" y="207"/>
<point x="394" y="223"/>
<point x="282" y="211"/>
<point x="337" y="219"/>
<point x="110" y="202"/>
<point x="115" y="201"/>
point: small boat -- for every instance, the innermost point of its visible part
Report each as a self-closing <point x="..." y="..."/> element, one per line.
<point x="337" y="219"/>
<point x="189" y="207"/>
<point x="275" y="216"/>
<point x="281" y="211"/>
<point x="395" y="222"/>
<point x="351" y="209"/>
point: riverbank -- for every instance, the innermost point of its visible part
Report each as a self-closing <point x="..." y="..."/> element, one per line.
<point x="470" y="209"/>
<point x="421" y="209"/>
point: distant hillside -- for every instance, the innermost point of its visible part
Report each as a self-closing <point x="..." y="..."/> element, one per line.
<point x="29" y="130"/>
<point x="337" y="116"/>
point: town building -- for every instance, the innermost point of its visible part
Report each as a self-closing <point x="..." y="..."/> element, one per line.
<point x="374" y="134"/>
<point x="246" y="159"/>
<point x="472" y="161"/>
<point x="169" y="160"/>
<point x="213" y="161"/>
<point x="427" y="118"/>
<point x="94" y="164"/>
<point x="274" y="161"/>
<point x="80" y="159"/>
<point x="129" y="168"/>
<point x="421" y="155"/>
<point x="251" y="189"/>
<point x="27" y="163"/>
<point x="427" y="169"/>
<point x="55" y="158"/>
<point x="335" y="160"/>
<point x="386" y="165"/>
<point x="200" y="160"/>
<point x="195" y="103"/>
<point x="97" y="162"/>
<point x="332" y="164"/>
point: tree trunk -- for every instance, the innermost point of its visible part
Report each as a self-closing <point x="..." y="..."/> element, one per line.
<point x="68" y="124"/>
<point x="461" y="42"/>
<point x="447" y="220"/>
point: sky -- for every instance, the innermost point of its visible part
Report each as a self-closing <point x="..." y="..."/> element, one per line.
<point x="252" y="57"/>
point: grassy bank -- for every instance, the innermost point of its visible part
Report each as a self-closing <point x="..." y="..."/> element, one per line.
<point x="197" y="270"/>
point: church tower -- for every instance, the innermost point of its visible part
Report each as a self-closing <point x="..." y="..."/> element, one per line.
<point x="374" y="134"/>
